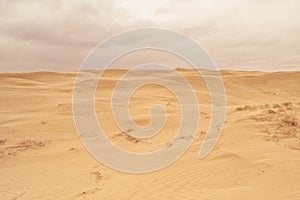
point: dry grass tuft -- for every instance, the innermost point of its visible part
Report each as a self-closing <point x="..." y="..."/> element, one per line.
<point x="3" y="141"/>
<point x="127" y="137"/>
<point x="276" y="105"/>
<point x="270" y="111"/>
<point x="246" y="107"/>
<point x="290" y="119"/>
<point x="287" y="104"/>
<point x="280" y="124"/>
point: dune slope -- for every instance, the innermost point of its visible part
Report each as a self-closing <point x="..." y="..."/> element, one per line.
<point x="257" y="156"/>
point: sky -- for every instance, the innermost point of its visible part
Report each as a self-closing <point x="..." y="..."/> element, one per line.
<point x="57" y="35"/>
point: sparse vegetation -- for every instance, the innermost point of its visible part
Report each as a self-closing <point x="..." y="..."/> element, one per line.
<point x="98" y="176"/>
<point x="127" y="137"/>
<point x="283" y="125"/>
<point x="290" y="119"/>
<point x="246" y="107"/>
<point x="287" y="104"/>
<point x="13" y="150"/>
<point x="270" y="111"/>
<point x="239" y="109"/>
<point x="2" y="141"/>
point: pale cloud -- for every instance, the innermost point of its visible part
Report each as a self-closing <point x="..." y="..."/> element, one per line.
<point x="55" y="35"/>
<point x="238" y="34"/>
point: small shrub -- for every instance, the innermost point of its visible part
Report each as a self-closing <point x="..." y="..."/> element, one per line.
<point x="2" y="141"/>
<point x="239" y="109"/>
<point x="287" y="104"/>
<point x="276" y="105"/>
<point x="270" y="111"/>
<point x="290" y="120"/>
<point x="246" y="107"/>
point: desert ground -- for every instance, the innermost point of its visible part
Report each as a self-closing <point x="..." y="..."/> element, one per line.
<point x="256" y="157"/>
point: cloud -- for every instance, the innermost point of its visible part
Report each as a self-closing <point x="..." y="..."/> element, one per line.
<point x="247" y="35"/>
<point x="58" y="34"/>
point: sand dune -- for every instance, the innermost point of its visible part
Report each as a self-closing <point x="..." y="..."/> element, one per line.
<point x="257" y="156"/>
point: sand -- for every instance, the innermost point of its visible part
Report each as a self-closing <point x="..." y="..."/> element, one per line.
<point x="257" y="156"/>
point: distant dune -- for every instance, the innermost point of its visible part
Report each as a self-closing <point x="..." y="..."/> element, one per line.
<point x="257" y="156"/>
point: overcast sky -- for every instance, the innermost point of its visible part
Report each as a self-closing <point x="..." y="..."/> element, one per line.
<point x="238" y="34"/>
